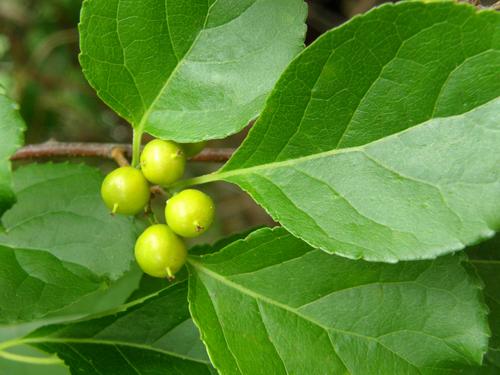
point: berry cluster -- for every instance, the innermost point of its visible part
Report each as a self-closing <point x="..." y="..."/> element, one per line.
<point x="159" y="251"/>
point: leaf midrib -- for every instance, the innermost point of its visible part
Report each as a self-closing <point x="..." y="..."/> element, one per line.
<point x="93" y="341"/>
<point x="222" y="175"/>
<point x="180" y="61"/>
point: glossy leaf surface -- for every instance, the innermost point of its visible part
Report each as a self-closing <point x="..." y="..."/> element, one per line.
<point x="188" y="70"/>
<point x="379" y="148"/>
<point x="261" y="301"/>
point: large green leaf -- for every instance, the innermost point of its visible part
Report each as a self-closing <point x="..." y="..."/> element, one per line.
<point x="60" y="242"/>
<point x="384" y="148"/>
<point x="188" y="69"/>
<point x="151" y="336"/>
<point x="11" y="131"/>
<point x="270" y="304"/>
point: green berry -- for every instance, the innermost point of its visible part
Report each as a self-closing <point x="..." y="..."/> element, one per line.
<point x="193" y="149"/>
<point x="125" y="191"/>
<point x="159" y="252"/>
<point x="163" y="162"/>
<point x="190" y="213"/>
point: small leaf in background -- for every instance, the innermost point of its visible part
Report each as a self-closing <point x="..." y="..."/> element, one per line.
<point x="60" y="242"/>
<point x="153" y="335"/>
<point x="270" y="304"/>
<point x="380" y="141"/>
<point x="11" y="137"/>
<point x="188" y="70"/>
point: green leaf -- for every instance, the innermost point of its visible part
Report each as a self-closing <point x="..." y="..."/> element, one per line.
<point x="104" y="299"/>
<point x="60" y="242"/>
<point x="97" y="302"/>
<point x="188" y="70"/>
<point x="386" y="148"/>
<point x="149" y="336"/>
<point x="60" y="209"/>
<point x="11" y="138"/>
<point x="270" y="304"/>
<point x="34" y="282"/>
<point x="486" y="260"/>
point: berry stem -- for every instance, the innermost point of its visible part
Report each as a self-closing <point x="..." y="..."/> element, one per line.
<point x="195" y="181"/>
<point x="136" y="147"/>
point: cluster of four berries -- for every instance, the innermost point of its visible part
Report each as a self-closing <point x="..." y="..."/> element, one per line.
<point x="159" y="251"/>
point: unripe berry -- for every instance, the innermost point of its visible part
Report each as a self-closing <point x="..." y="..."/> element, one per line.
<point x="193" y="149"/>
<point x="163" y="162"/>
<point x="190" y="213"/>
<point x="159" y="252"/>
<point x="125" y="191"/>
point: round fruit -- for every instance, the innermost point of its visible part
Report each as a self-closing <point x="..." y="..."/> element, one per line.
<point x="193" y="149"/>
<point x="163" y="162"/>
<point x="190" y="213"/>
<point x="159" y="252"/>
<point x="125" y="191"/>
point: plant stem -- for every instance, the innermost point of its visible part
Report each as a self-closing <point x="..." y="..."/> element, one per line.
<point x="136" y="147"/>
<point x="195" y="181"/>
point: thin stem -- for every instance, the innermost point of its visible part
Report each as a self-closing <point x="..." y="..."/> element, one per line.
<point x="53" y="360"/>
<point x="136" y="147"/>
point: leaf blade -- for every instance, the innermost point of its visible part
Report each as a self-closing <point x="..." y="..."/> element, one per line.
<point x="342" y="314"/>
<point x="35" y="282"/>
<point x="323" y="79"/>
<point x="11" y="134"/>
<point x="59" y="228"/>
<point x="116" y="341"/>
<point x="296" y="164"/>
<point x="72" y="204"/>
<point x="196" y="54"/>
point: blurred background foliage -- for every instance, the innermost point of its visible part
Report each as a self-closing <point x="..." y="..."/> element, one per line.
<point x="39" y="69"/>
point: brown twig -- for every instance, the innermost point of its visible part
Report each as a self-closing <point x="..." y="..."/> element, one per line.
<point x="158" y="190"/>
<point x="103" y="150"/>
<point x="216" y="155"/>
